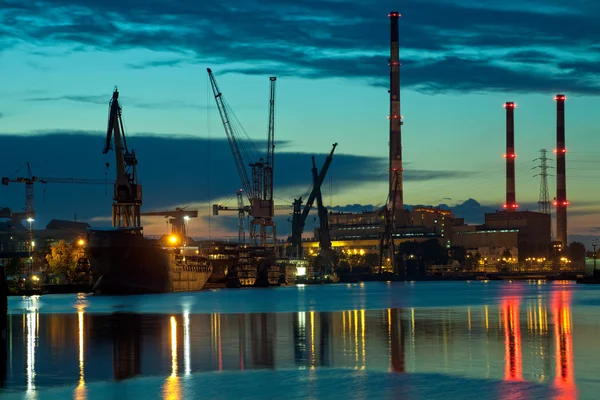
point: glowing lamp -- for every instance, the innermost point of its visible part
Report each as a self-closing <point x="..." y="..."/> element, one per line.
<point x="173" y="239"/>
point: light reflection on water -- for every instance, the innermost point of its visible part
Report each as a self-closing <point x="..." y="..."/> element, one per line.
<point x="519" y="339"/>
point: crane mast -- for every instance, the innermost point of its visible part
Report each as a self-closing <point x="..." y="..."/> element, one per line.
<point x="387" y="244"/>
<point x="127" y="198"/>
<point x="260" y="190"/>
<point x="235" y="150"/>
<point x="324" y="235"/>
<point x="299" y="216"/>
<point x="269" y="164"/>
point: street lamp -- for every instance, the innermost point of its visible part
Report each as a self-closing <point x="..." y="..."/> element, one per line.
<point x="594" y="244"/>
<point x="187" y="221"/>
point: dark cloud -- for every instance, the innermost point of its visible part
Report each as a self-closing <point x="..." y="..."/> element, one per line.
<point x="158" y="63"/>
<point x="446" y="45"/>
<point x="104" y="99"/>
<point x="174" y="170"/>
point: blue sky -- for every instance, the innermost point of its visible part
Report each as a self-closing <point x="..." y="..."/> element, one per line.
<point x="60" y="59"/>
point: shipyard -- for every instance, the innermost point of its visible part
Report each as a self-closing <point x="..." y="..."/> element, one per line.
<point x="393" y="241"/>
<point x="182" y="196"/>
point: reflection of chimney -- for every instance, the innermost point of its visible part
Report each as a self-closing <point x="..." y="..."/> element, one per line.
<point x="395" y="191"/>
<point x="513" y="356"/>
<point x="397" y="333"/>
<point x="511" y="197"/>
<point x="561" y="178"/>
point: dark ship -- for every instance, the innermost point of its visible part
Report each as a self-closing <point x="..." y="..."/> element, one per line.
<point x="124" y="262"/>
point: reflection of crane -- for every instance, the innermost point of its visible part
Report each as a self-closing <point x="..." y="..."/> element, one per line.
<point x="178" y="219"/>
<point x="29" y="181"/>
<point x="387" y="237"/>
<point x="128" y="194"/>
<point x="260" y="191"/>
<point x="299" y="216"/>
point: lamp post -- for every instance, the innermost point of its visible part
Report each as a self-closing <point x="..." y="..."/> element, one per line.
<point x="594" y="244"/>
<point x="187" y="221"/>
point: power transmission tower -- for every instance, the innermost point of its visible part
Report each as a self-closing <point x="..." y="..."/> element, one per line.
<point x="544" y="203"/>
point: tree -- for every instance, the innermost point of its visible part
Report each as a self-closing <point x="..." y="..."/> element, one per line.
<point x="62" y="258"/>
<point x="459" y="253"/>
<point x="576" y="252"/>
<point x="14" y="268"/>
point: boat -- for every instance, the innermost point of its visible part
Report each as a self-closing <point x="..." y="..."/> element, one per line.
<point x="591" y="279"/>
<point x="123" y="261"/>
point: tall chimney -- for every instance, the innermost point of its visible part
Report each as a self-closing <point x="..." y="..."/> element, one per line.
<point x="395" y="168"/>
<point x="561" y="178"/>
<point x="511" y="197"/>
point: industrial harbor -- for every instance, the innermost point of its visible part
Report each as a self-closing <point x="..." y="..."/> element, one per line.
<point x="389" y="243"/>
<point x="220" y="200"/>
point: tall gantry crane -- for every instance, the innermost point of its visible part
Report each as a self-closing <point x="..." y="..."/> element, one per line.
<point x="127" y="198"/>
<point x="299" y="216"/>
<point x="260" y="191"/>
<point x="29" y="182"/>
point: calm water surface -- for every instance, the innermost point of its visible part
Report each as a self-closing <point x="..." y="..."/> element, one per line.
<point x="362" y="341"/>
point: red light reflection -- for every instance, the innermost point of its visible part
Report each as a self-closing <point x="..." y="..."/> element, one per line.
<point x="565" y="373"/>
<point x="513" y="366"/>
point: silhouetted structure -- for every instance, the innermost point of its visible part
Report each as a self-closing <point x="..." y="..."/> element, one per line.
<point x="395" y="191"/>
<point x="511" y="197"/>
<point x="126" y="346"/>
<point x="561" y="202"/>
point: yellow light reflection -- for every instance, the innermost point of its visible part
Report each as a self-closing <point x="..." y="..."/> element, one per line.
<point x="172" y="387"/>
<point x="356" y="337"/>
<point x="186" y="343"/>
<point x="80" y="390"/>
<point x="362" y="339"/>
<point x="312" y="340"/>
<point x="469" y="316"/>
<point x="173" y="346"/>
<point x="344" y="329"/>
<point x="487" y="320"/>
<point x="31" y="320"/>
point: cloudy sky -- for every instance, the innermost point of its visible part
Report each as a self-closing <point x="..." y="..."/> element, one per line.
<point x="60" y="59"/>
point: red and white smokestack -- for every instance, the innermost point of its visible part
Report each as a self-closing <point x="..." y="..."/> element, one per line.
<point x="561" y="202"/>
<point x="395" y="167"/>
<point x="511" y="197"/>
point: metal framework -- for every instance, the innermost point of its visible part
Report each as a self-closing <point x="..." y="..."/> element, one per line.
<point x="127" y="198"/>
<point x="260" y="190"/>
<point x="544" y="204"/>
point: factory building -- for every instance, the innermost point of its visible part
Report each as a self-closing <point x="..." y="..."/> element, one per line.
<point x="362" y="231"/>
<point x="523" y="234"/>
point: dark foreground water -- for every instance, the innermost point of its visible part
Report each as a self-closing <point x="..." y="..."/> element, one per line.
<point x="462" y="340"/>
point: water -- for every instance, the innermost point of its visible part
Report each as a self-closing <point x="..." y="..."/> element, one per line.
<point x="527" y="340"/>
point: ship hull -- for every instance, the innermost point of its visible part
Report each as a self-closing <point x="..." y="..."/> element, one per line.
<point x="123" y="262"/>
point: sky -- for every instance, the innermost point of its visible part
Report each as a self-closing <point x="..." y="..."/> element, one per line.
<point x="461" y="60"/>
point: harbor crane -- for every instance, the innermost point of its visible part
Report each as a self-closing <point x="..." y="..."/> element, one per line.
<point x="29" y="181"/>
<point x="299" y="216"/>
<point x="127" y="198"/>
<point x="242" y="210"/>
<point x="260" y="190"/>
<point x="325" y="256"/>
<point x="387" y="244"/>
